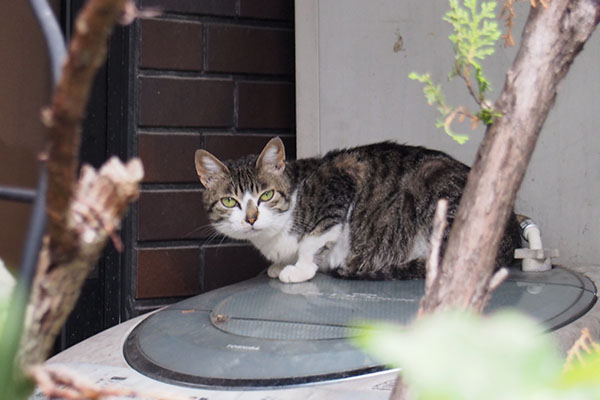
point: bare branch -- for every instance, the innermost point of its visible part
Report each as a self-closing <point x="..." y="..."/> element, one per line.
<point x="437" y="236"/>
<point x="100" y="202"/>
<point x="401" y="390"/>
<point x="509" y="10"/>
<point x="81" y="215"/>
<point x="132" y="13"/>
<point x="432" y="273"/>
<point x="585" y="345"/>
<point x="87" y="52"/>
<point x="465" y="77"/>
<point x="59" y="382"/>
<point x="497" y="279"/>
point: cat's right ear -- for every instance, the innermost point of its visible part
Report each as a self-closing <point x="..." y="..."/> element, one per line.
<point x="209" y="168"/>
<point x="272" y="158"/>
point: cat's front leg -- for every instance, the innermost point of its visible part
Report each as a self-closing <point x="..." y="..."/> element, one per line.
<point x="309" y="246"/>
<point x="299" y="272"/>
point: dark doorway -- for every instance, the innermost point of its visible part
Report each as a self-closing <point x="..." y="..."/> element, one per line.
<point x="99" y="306"/>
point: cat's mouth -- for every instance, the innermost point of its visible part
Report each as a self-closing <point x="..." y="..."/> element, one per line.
<point x="251" y="229"/>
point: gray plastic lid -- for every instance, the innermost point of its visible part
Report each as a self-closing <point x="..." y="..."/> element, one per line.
<point x="263" y="332"/>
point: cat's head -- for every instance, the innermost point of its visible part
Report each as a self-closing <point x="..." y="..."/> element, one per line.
<point x="249" y="197"/>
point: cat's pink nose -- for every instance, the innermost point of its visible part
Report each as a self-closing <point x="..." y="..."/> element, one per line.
<point x="251" y="220"/>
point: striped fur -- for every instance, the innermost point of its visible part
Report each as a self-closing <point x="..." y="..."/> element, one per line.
<point x="364" y="212"/>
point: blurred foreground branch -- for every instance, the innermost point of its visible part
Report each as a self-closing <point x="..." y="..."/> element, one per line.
<point x="82" y="213"/>
<point x="57" y="382"/>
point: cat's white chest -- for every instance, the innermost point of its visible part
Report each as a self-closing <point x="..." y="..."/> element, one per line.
<point x="281" y="249"/>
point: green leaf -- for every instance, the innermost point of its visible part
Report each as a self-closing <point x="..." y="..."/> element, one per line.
<point x="462" y="356"/>
<point x="475" y="35"/>
<point x="433" y="93"/>
<point x="13" y="385"/>
<point x="584" y="375"/>
<point x="488" y="116"/>
<point x="459" y="138"/>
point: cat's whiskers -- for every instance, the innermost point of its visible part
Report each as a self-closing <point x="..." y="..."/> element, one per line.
<point x="209" y="227"/>
<point x="215" y="235"/>
<point x="212" y="232"/>
<point x="212" y="236"/>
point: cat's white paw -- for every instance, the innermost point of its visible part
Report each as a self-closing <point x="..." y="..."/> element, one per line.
<point x="274" y="270"/>
<point x="297" y="273"/>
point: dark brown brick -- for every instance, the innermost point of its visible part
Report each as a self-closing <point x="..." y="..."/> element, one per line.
<point x="203" y="7"/>
<point x="185" y="102"/>
<point x="267" y="9"/>
<point x="168" y="157"/>
<point x="251" y="50"/>
<point x="228" y="146"/>
<point x="230" y="263"/>
<point x="172" y="45"/>
<point x="172" y="214"/>
<point x="264" y="105"/>
<point x="168" y="272"/>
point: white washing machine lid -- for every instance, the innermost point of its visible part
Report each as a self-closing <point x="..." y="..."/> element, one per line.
<point x="261" y="332"/>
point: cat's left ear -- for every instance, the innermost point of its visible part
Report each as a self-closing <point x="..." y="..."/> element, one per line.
<point x="209" y="168"/>
<point x="272" y="158"/>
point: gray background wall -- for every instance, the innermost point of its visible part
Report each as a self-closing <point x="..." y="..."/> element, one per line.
<point x="353" y="88"/>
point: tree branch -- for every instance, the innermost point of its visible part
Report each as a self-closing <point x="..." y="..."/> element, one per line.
<point x="432" y="270"/>
<point x="100" y="201"/>
<point x="551" y="40"/>
<point x="57" y="382"/>
<point x="465" y="77"/>
<point x="82" y="215"/>
<point x="87" y="52"/>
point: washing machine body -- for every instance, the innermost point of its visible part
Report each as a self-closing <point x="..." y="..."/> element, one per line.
<point x="264" y="333"/>
<point x="263" y="338"/>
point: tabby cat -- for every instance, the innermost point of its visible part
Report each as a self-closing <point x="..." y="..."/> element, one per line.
<point x="364" y="212"/>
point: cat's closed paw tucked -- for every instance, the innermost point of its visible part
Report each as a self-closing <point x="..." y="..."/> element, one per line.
<point x="274" y="270"/>
<point x="297" y="273"/>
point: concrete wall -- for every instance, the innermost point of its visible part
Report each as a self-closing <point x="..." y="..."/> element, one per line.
<point x="353" y="60"/>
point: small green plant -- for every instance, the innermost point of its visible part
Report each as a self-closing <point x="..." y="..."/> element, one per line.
<point x="463" y="356"/>
<point x="433" y="94"/>
<point x="13" y="300"/>
<point x="475" y="35"/>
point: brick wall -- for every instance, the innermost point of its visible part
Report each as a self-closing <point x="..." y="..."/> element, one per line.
<point x="213" y="74"/>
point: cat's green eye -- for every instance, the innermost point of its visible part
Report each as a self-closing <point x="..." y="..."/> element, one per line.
<point x="229" y="202"/>
<point x="268" y="195"/>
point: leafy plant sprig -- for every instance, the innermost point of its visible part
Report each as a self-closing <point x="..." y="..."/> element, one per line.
<point x="433" y="94"/>
<point x="475" y="35"/>
<point x="484" y="358"/>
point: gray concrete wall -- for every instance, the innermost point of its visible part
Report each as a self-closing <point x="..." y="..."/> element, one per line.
<point x="353" y="88"/>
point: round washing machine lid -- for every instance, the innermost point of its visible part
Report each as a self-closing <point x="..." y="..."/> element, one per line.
<point x="263" y="332"/>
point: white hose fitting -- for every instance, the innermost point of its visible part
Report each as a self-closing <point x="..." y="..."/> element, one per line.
<point x="535" y="258"/>
<point x="531" y="233"/>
